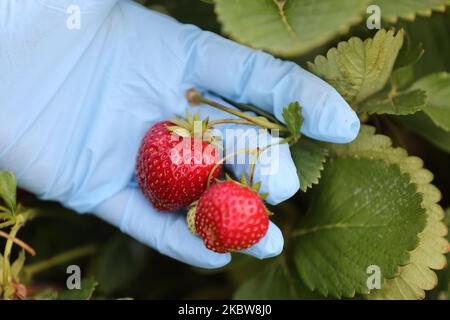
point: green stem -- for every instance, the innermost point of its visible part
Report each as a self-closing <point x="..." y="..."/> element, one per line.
<point x="7" y="252"/>
<point x="253" y="165"/>
<point x="76" y="253"/>
<point x="237" y="121"/>
<point x="194" y="98"/>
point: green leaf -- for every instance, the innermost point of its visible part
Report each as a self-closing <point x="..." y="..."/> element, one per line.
<point x="8" y="190"/>
<point x="402" y="78"/>
<point x="273" y="282"/>
<point x="370" y="189"/>
<point x="4" y="215"/>
<point x="309" y="157"/>
<point x="292" y="115"/>
<point x="17" y="265"/>
<point x="287" y="27"/>
<point x="182" y="132"/>
<point x="1" y="272"/>
<point x="424" y="126"/>
<point x="418" y="275"/>
<point x="433" y="33"/>
<point x="158" y="8"/>
<point x="358" y="200"/>
<point x="442" y="292"/>
<point x="360" y="69"/>
<point x="401" y="103"/>
<point x="8" y="291"/>
<point x="88" y="286"/>
<point x="413" y="279"/>
<point x="408" y="9"/>
<point x="437" y="87"/>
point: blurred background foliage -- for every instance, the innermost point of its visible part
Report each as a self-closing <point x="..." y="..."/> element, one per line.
<point x="122" y="267"/>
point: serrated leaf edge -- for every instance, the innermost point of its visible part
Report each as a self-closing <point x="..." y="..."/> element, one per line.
<point x="316" y="180"/>
<point x="434" y="231"/>
<point x="412" y="15"/>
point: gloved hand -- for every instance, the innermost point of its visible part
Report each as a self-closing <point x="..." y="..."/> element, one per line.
<point x="75" y="103"/>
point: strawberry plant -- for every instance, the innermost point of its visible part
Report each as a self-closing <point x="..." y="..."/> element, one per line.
<point x="369" y="221"/>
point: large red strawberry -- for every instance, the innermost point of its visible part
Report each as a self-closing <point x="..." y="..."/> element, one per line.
<point x="229" y="216"/>
<point x="173" y="164"/>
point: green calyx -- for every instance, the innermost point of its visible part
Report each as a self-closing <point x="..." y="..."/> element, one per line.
<point x="192" y="126"/>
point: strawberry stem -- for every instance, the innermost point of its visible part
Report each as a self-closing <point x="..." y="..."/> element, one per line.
<point x="194" y="97"/>
<point x="237" y="121"/>
<point x="7" y="253"/>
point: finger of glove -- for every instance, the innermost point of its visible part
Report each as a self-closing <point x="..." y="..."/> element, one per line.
<point x="269" y="246"/>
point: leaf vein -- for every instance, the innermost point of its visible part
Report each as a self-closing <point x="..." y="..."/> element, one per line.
<point x="306" y="231"/>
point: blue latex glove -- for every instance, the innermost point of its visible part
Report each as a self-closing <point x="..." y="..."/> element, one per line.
<point x="75" y="103"/>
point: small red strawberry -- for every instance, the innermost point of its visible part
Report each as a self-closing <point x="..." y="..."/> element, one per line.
<point x="174" y="162"/>
<point x="229" y="216"/>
